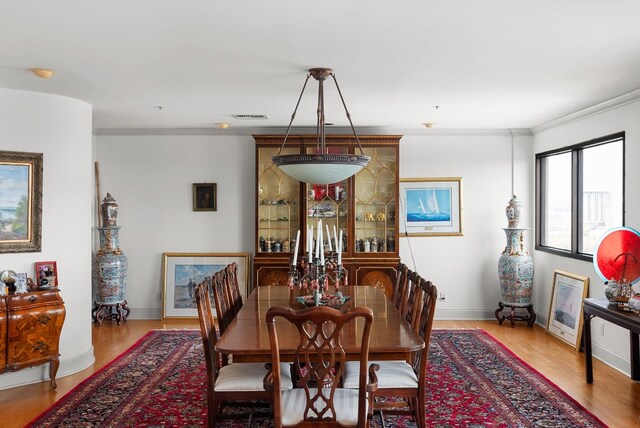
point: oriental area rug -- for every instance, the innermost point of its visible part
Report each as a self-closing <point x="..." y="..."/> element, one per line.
<point x="472" y="381"/>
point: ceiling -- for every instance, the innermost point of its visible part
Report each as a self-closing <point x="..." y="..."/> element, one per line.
<point x="491" y="64"/>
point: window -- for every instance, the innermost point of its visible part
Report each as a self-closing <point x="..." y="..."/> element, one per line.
<point x="579" y="195"/>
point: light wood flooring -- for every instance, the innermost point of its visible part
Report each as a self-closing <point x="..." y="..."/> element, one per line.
<point x="613" y="396"/>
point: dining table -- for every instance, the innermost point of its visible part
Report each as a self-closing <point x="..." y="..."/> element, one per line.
<point x="247" y="336"/>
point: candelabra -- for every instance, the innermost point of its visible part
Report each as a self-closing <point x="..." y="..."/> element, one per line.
<point x="317" y="273"/>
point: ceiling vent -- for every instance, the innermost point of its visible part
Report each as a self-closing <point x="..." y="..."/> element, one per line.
<point x="250" y="116"/>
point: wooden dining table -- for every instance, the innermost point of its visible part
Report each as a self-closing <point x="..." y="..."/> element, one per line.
<point x="247" y="337"/>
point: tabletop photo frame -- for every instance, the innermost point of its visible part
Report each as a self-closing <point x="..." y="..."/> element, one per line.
<point x="431" y="206"/>
<point x="565" y="320"/>
<point x="182" y="272"/>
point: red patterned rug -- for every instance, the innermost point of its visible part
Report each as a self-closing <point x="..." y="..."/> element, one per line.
<point x="473" y="381"/>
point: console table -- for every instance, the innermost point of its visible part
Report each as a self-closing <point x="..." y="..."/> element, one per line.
<point x="600" y="308"/>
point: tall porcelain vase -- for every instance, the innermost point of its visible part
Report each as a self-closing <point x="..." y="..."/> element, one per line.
<point x="109" y="263"/>
<point x="515" y="266"/>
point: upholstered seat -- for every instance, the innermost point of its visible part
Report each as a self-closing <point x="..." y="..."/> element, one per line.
<point x="345" y="402"/>
<point x="392" y="374"/>
<point x="249" y="377"/>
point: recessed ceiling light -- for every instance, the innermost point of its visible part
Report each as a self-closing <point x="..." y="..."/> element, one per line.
<point x="42" y="73"/>
<point x="222" y="125"/>
<point x="430" y="124"/>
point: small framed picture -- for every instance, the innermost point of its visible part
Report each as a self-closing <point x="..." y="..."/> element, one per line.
<point x="204" y="197"/>
<point x="47" y="274"/>
<point x="565" y="311"/>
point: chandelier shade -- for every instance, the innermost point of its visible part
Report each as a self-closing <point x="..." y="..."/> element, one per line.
<point x="321" y="167"/>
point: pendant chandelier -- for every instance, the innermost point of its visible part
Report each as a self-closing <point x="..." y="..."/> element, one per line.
<point x="321" y="167"/>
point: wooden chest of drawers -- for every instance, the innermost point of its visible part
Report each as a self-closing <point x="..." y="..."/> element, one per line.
<point x="30" y="326"/>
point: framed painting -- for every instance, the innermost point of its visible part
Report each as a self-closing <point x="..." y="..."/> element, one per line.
<point x="431" y="206"/>
<point x="182" y="272"/>
<point x="204" y="197"/>
<point x="47" y="275"/>
<point x="565" y="311"/>
<point x="20" y="202"/>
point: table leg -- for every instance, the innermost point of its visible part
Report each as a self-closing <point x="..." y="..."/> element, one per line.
<point x="586" y="331"/>
<point x="635" y="356"/>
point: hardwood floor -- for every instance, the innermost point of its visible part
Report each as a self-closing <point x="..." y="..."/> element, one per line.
<point x="613" y="396"/>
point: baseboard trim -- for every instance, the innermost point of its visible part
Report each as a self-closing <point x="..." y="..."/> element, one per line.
<point x="40" y="373"/>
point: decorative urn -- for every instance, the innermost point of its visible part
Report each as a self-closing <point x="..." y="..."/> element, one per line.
<point x="515" y="266"/>
<point x="109" y="263"/>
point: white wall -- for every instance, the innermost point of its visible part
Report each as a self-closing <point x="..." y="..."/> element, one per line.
<point x="465" y="268"/>
<point x="151" y="177"/>
<point x="613" y="346"/>
<point x="60" y="128"/>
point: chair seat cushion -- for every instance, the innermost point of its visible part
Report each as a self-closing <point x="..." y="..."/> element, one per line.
<point x="392" y="374"/>
<point x="345" y="402"/>
<point x="249" y="377"/>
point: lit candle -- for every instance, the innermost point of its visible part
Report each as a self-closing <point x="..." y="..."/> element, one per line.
<point x="329" y="238"/>
<point x="295" y="252"/>
<point x="340" y="249"/>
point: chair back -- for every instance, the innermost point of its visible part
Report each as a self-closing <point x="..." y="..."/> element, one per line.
<point x="319" y="360"/>
<point x="423" y="326"/>
<point x="208" y="332"/>
<point x="400" y="288"/>
<point x="234" y="288"/>
<point x="221" y="298"/>
<point x="412" y="305"/>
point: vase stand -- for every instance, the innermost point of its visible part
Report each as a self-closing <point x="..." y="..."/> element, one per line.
<point x="513" y="317"/>
<point x="110" y="311"/>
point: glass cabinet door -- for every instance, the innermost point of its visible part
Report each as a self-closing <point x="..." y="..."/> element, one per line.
<point x="375" y="202"/>
<point x="328" y="202"/>
<point x="278" y="204"/>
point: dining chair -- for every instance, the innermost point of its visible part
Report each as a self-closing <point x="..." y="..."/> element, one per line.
<point x="404" y="379"/>
<point x="318" y="364"/>
<point x="230" y="382"/>
<point x="400" y="286"/>
<point x="224" y="312"/>
<point x="410" y="309"/>
<point x="234" y="288"/>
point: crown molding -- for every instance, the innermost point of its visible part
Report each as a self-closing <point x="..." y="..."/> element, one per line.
<point x="367" y="130"/>
<point x="613" y="103"/>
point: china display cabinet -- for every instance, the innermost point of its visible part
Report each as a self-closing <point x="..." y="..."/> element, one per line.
<point x="363" y="207"/>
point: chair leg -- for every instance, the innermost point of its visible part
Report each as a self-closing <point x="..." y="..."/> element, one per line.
<point x="212" y="413"/>
<point x="382" y="419"/>
<point x="250" y="418"/>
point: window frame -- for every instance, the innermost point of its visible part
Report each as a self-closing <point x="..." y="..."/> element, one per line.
<point x="577" y="215"/>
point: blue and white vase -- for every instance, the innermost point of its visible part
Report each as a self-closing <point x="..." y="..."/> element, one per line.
<point x="109" y="263"/>
<point x="515" y="266"/>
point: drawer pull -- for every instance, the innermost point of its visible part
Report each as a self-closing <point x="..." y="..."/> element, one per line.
<point x="44" y="318"/>
<point x="33" y="299"/>
<point x="39" y="345"/>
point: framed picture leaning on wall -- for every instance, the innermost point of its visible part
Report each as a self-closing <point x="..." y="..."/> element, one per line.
<point x="182" y="272"/>
<point x="20" y="202"/>
<point x="431" y="206"/>
<point x="565" y="310"/>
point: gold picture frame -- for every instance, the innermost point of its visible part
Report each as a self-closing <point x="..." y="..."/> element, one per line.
<point x="205" y="197"/>
<point x="181" y="272"/>
<point x="21" y="213"/>
<point x="430" y="206"/>
<point x="565" y="320"/>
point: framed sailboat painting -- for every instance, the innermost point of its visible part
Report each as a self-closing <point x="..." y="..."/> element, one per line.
<point x="431" y="206"/>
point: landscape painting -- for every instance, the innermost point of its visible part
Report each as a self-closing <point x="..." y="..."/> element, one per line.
<point x="182" y="272"/>
<point x="431" y="206"/>
<point x="20" y="201"/>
